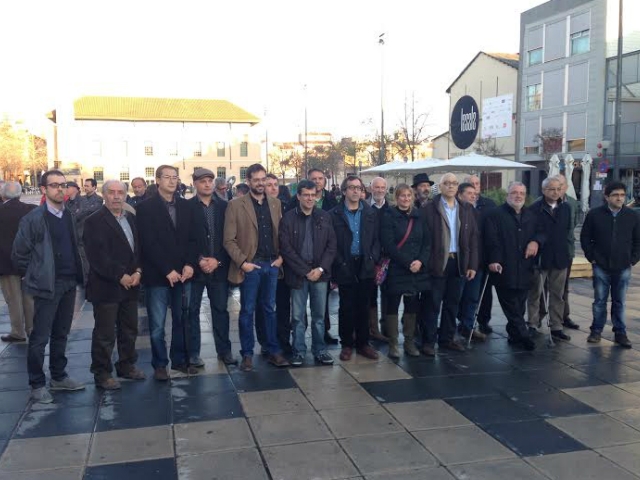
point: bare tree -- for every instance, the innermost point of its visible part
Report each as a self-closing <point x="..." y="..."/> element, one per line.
<point x="413" y="128"/>
<point x="550" y="142"/>
<point x="14" y="149"/>
<point x="487" y="146"/>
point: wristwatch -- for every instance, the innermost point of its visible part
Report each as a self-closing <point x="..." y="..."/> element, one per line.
<point x="321" y="269"/>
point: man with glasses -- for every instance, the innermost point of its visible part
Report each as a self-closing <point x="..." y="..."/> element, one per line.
<point x="610" y="238"/>
<point x="251" y="239"/>
<point x="453" y="260"/>
<point x="356" y="226"/>
<point x="550" y="275"/>
<point x="220" y="188"/>
<point x="46" y="253"/>
<point x="164" y="223"/>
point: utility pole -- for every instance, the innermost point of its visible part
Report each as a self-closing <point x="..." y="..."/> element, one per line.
<point x="383" y="155"/>
<point x="618" y="120"/>
<point x="306" y="161"/>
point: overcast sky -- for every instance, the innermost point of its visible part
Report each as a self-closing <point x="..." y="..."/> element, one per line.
<point x="255" y="53"/>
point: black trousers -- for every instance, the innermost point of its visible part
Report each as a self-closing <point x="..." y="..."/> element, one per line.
<point x="353" y="323"/>
<point x="51" y="321"/>
<point x="514" y="305"/>
<point x="393" y="303"/>
<point x="283" y="316"/>
<point x="114" y="320"/>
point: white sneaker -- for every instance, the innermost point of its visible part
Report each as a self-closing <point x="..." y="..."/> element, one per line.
<point x="41" y="395"/>
<point x="66" y="383"/>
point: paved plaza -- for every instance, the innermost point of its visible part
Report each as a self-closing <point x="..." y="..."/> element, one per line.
<point x="571" y="412"/>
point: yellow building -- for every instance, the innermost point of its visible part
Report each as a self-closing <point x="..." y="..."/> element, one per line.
<point x="127" y="137"/>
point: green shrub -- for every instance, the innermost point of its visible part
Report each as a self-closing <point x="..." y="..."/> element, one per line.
<point x="498" y="195"/>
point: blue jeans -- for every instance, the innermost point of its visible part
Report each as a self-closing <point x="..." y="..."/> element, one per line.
<point x="603" y="282"/>
<point x="261" y="283"/>
<point x="318" y="293"/>
<point x="158" y="300"/>
<point x="218" y="293"/>
<point x="470" y="300"/>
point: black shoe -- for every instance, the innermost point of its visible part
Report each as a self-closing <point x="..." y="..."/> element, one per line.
<point x="533" y="331"/>
<point x="286" y="348"/>
<point x="329" y="340"/>
<point x="622" y="340"/>
<point x="568" y="323"/>
<point x="528" y="344"/>
<point x="228" y="359"/>
<point x="560" y="335"/>
<point x="486" y="329"/>
<point x="594" y="337"/>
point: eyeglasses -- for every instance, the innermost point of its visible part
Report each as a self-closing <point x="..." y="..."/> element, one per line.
<point x="56" y="186"/>
<point x="173" y="178"/>
<point x="450" y="184"/>
<point x="307" y="195"/>
<point x="553" y="189"/>
<point x="355" y="188"/>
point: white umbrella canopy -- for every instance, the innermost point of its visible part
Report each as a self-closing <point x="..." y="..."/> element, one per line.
<point x="554" y="166"/>
<point x="473" y="163"/>
<point x="587" y="163"/>
<point x="400" y="166"/>
<point x="568" y="173"/>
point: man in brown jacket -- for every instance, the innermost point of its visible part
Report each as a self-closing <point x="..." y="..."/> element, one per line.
<point x="454" y="260"/>
<point x="251" y="239"/>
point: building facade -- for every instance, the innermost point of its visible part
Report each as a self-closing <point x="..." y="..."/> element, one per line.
<point x="123" y="138"/>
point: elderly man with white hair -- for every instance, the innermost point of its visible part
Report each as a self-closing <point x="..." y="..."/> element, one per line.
<point x="19" y="302"/>
<point x="453" y="260"/>
<point x="380" y="205"/>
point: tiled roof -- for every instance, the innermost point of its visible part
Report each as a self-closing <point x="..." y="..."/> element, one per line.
<point x="511" y="59"/>
<point x="159" y="110"/>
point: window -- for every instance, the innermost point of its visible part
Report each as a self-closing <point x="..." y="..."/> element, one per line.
<point x="149" y="172"/>
<point x="98" y="174"/>
<point x="244" y="149"/>
<point x="243" y="173"/>
<point x="221" y="149"/>
<point x="96" y="148"/>
<point x="124" y="174"/>
<point x="56" y="164"/>
<point x="580" y="42"/>
<point x="534" y="57"/>
<point x="196" y="168"/>
<point x="173" y="149"/>
<point x="531" y="130"/>
<point x="576" y="145"/>
<point x="534" y="97"/>
<point x="197" y="149"/>
<point x="148" y="148"/>
<point x="221" y="172"/>
<point x="531" y="150"/>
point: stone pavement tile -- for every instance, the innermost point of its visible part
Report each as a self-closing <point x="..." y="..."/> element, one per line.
<point x="540" y="359"/>
<point x="419" y="367"/>
<point x="376" y="372"/>
<point x="565" y="377"/>
<point x="493" y="409"/>
<point x="426" y="415"/>
<point x="261" y="380"/>
<point x="8" y="422"/>
<point x="478" y="363"/>
<point x="212" y="436"/>
<point x="335" y="396"/>
<point x="91" y="396"/>
<point x="206" y="407"/>
<point x="439" y="473"/>
<point x="534" y="437"/>
<point x="62" y="451"/>
<point x="317" y="460"/>
<point x="411" y="390"/>
<point x="360" y="420"/>
<point x="136" y="444"/>
<point x="274" y="401"/>
<point x="605" y="398"/>
<point x="14" y="401"/>
<point x="597" y="430"/>
<point x="311" y="378"/>
<point x="134" y="414"/>
<point x="626" y="456"/>
<point x="14" y="381"/>
<point x="56" y="422"/>
<point x="462" y="445"/>
<point x="387" y="453"/>
<point x="13" y="365"/>
<point x="632" y="387"/>
<point x="289" y="428"/>
<point x="497" y="470"/>
<point x="630" y="416"/>
<point x="158" y="469"/>
<point x="15" y="350"/>
<point x="611" y="372"/>
<point x="552" y="403"/>
<point x="585" y="465"/>
<point x="244" y="464"/>
<point x="139" y="392"/>
<point x="57" y="474"/>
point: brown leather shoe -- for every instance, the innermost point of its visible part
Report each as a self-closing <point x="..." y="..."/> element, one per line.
<point x="109" y="384"/>
<point x="247" y="364"/>
<point x="346" y="353"/>
<point x="453" y="346"/>
<point x="134" y="373"/>
<point x="278" y="360"/>
<point x="368" y="352"/>
<point x="428" y="350"/>
<point x="11" y="338"/>
<point x="161" y="374"/>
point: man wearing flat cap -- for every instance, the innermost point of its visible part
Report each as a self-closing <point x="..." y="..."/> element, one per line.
<point x="422" y="187"/>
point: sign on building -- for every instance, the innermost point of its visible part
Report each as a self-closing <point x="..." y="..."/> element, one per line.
<point x="465" y="120"/>
<point x="497" y="116"/>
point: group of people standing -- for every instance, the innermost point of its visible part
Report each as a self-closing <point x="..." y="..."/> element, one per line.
<point x="439" y="256"/>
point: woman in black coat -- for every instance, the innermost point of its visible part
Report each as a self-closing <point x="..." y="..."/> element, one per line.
<point x="407" y="276"/>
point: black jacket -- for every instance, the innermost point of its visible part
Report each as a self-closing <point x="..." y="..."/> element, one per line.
<point x="556" y="225"/>
<point x="343" y="267"/>
<point x="199" y="238"/>
<point x="163" y="247"/>
<point x="612" y="243"/>
<point x="10" y="214"/>
<point x="291" y="236"/>
<point x="483" y="206"/>
<point x="110" y="257"/>
<point x="328" y="203"/>
<point x="506" y="239"/>
<point x="400" y="279"/>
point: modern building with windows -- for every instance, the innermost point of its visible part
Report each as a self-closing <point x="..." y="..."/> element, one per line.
<point x="125" y="137"/>
<point x="566" y="79"/>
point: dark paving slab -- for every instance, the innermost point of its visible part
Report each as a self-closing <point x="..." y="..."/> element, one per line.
<point x="266" y="380"/>
<point x="58" y="421"/>
<point x="8" y="422"/>
<point x="162" y="469"/>
<point x="611" y="372"/>
<point x="13" y="401"/>
<point x="203" y="385"/>
<point x="493" y="409"/>
<point x="552" y="403"/>
<point x="118" y="416"/>
<point x="566" y="377"/>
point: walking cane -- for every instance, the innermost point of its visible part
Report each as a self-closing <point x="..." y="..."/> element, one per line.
<point x="545" y="296"/>
<point x="475" y="314"/>
<point x="185" y="324"/>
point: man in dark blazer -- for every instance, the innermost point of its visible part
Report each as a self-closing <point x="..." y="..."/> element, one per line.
<point x="19" y="302"/>
<point x="164" y="221"/>
<point x="212" y="268"/>
<point x="113" y="250"/>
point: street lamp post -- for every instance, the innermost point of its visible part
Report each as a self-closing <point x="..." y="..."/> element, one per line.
<point x="618" y="119"/>
<point x="383" y="156"/>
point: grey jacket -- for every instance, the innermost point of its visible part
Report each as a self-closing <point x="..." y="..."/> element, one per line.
<point x="32" y="254"/>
